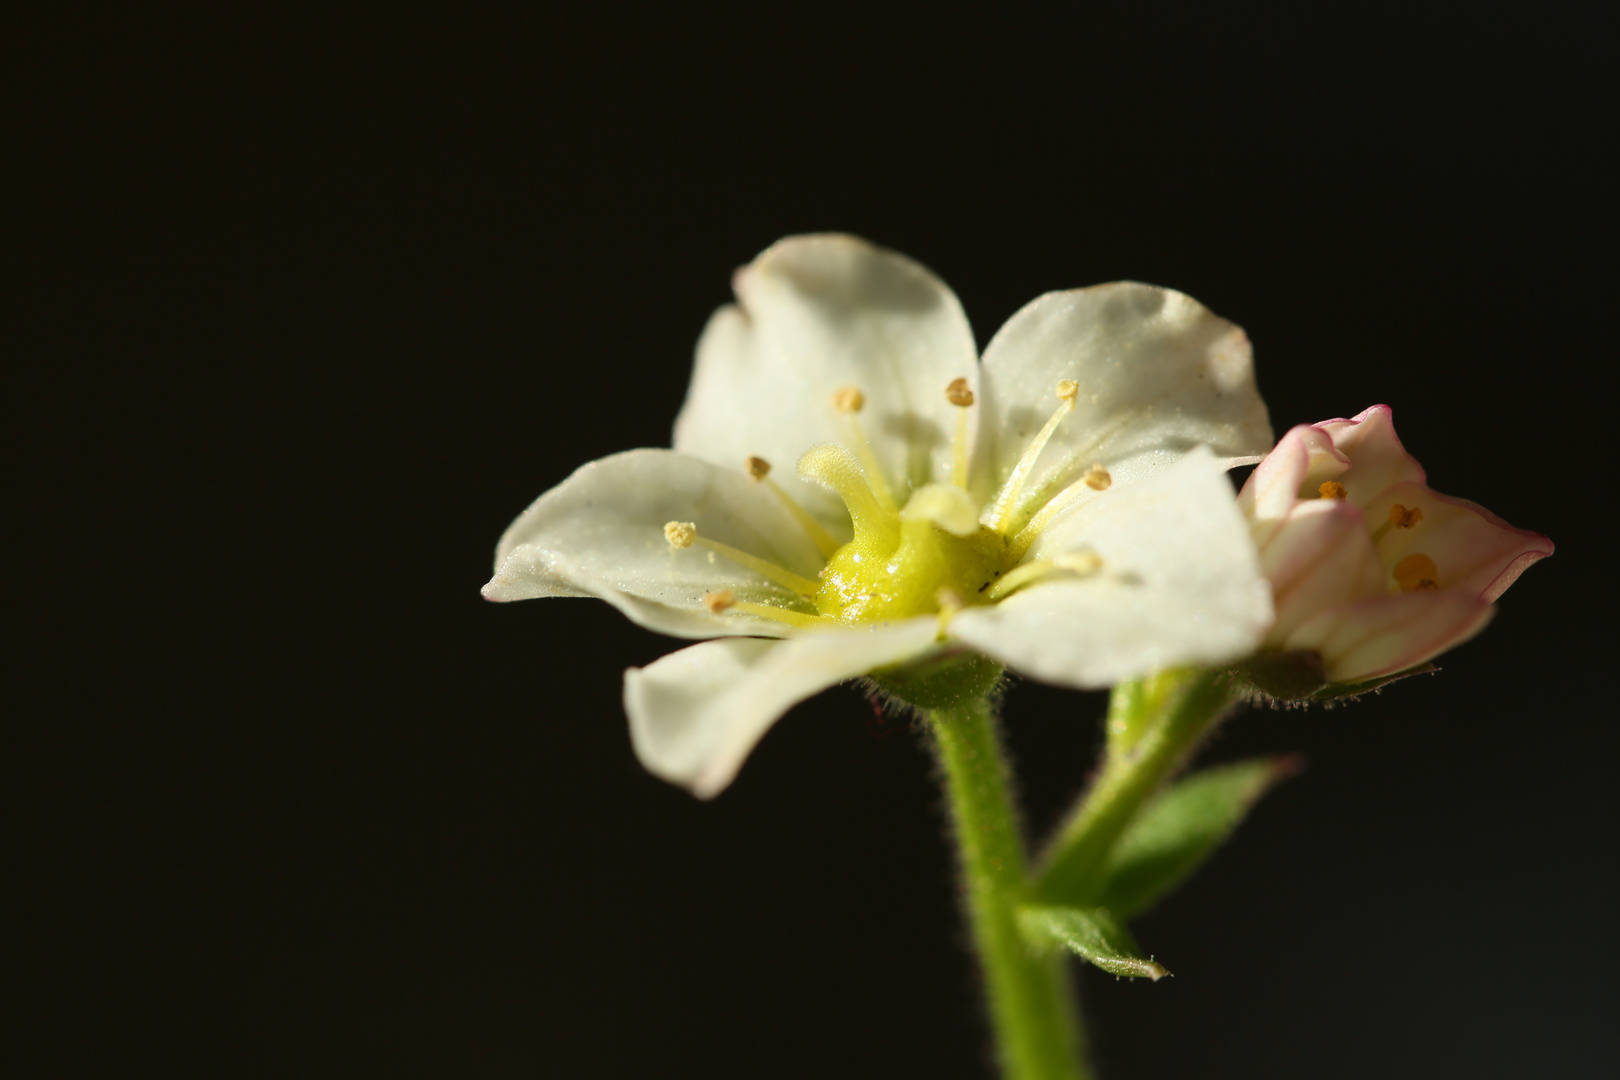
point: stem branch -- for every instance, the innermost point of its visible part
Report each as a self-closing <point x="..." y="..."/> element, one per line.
<point x="1154" y="725"/>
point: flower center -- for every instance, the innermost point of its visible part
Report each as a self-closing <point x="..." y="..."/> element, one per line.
<point x="869" y="579"/>
<point x="936" y="554"/>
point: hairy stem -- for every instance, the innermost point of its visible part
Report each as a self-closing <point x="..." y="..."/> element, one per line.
<point x="1032" y="1007"/>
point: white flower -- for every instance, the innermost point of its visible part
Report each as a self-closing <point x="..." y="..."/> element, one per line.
<point x="1060" y="508"/>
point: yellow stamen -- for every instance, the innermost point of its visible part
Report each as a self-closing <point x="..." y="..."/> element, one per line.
<point x="958" y="394"/>
<point x="1097" y="478"/>
<point x="1082" y="563"/>
<point x="1402" y="518"/>
<point x="720" y="600"/>
<point x="834" y="467"/>
<point x="1332" y="489"/>
<point x="849" y="400"/>
<point x="680" y="534"/>
<point x="782" y="615"/>
<point x="760" y="470"/>
<point x="999" y="516"/>
<point x="1416" y="572"/>
<point x="1026" y="536"/>
<point x="768" y="570"/>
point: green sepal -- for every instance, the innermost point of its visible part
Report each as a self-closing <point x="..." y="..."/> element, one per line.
<point x="1298" y="677"/>
<point x="1346" y="691"/>
<point x="941" y="680"/>
<point x="1092" y="934"/>
<point x="1283" y="676"/>
<point x="1180" y="828"/>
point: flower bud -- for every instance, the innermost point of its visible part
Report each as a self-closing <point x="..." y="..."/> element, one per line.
<point x="1371" y="570"/>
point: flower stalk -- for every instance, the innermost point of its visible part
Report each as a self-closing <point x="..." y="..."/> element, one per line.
<point x="1154" y="724"/>
<point x="1032" y="1007"/>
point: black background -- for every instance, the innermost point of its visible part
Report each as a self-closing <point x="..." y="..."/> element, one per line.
<point x="311" y="304"/>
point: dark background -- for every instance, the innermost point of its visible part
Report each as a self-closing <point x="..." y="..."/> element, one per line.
<point x="311" y="304"/>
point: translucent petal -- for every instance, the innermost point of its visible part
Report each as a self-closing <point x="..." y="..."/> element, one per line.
<point x="1158" y="373"/>
<point x="814" y="314"/>
<point x="1179" y="583"/>
<point x="601" y="533"/>
<point x="1305" y="453"/>
<point x="1386" y="634"/>
<point x="1319" y="557"/>
<point x="1475" y="550"/>
<point x="1378" y="460"/>
<point x="696" y="714"/>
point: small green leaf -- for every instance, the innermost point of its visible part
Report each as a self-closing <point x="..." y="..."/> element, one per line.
<point x="1094" y="935"/>
<point x="1179" y="829"/>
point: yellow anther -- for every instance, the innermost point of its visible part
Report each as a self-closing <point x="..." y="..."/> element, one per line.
<point x="1416" y="572"/>
<point x="720" y="600"/>
<point x="680" y="534"/>
<point x="958" y="393"/>
<point x="849" y="400"/>
<point x="1332" y="489"/>
<point x="1068" y="390"/>
<point x="757" y="467"/>
<point x="1403" y="518"/>
<point x="1097" y="478"/>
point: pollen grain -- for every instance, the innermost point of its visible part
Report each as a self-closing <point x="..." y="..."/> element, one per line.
<point x="1405" y="517"/>
<point x="1417" y="572"/>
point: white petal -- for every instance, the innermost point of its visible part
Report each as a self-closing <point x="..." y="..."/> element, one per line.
<point x="601" y="533"/>
<point x="1158" y="373"/>
<point x="1179" y="584"/>
<point x="817" y="313"/>
<point x="696" y="714"/>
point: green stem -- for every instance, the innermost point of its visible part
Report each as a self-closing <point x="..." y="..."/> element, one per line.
<point x="1032" y="1005"/>
<point x="1153" y="726"/>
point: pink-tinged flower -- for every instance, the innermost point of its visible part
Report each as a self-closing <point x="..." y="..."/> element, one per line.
<point x="1370" y="569"/>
